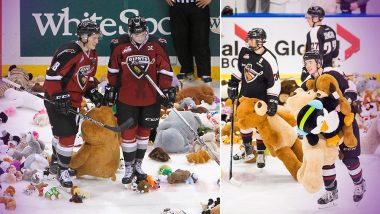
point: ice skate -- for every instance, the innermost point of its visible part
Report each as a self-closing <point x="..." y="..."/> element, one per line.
<point x="63" y="177"/>
<point x="260" y="159"/>
<point x="245" y="154"/>
<point x="128" y="176"/>
<point x="328" y="199"/>
<point x="359" y="192"/>
<point x="139" y="173"/>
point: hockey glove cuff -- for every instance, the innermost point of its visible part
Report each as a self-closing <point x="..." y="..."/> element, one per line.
<point x="272" y="102"/>
<point x="95" y="96"/>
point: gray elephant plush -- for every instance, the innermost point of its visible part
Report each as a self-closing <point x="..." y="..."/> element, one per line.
<point x="173" y="135"/>
<point x="35" y="146"/>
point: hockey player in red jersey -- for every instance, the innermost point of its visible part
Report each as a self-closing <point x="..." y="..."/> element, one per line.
<point x="69" y="78"/>
<point x="133" y="56"/>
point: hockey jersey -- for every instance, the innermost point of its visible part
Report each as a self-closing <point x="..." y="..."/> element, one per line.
<point x="71" y="70"/>
<point x="259" y="74"/>
<point x="323" y="39"/>
<point x="129" y="62"/>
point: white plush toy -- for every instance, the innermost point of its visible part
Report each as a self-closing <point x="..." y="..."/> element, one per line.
<point x="20" y="99"/>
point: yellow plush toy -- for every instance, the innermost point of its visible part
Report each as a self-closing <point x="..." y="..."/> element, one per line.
<point x="277" y="132"/>
<point x="198" y="157"/>
<point x="99" y="156"/>
<point x="325" y="86"/>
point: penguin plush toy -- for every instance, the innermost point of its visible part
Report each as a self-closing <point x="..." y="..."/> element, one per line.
<point x="313" y="119"/>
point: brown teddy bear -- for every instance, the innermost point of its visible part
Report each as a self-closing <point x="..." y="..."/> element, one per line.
<point x="198" y="157"/>
<point x="277" y="132"/>
<point x="287" y="89"/>
<point x="159" y="154"/>
<point x="99" y="156"/>
<point x="325" y="86"/>
<point x="179" y="176"/>
<point x="9" y="202"/>
<point x="197" y="93"/>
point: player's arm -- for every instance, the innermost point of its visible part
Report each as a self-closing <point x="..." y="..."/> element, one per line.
<point x="164" y="69"/>
<point x="63" y="62"/>
<point x="272" y="76"/>
<point x="114" y="64"/>
<point x="114" y="67"/>
<point x="236" y="75"/>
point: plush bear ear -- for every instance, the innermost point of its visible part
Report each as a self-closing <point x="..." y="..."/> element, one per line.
<point x="261" y="108"/>
<point x="12" y="67"/>
<point x="30" y="76"/>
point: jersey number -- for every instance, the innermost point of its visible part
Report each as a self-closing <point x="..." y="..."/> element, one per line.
<point x="55" y="66"/>
<point x="329" y="46"/>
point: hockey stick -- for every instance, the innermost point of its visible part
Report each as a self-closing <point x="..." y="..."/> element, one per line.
<point x="216" y="159"/>
<point x="120" y="128"/>
<point x="232" y="136"/>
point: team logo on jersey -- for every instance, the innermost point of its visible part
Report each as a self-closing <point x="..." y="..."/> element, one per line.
<point x="250" y="74"/>
<point x="127" y="50"/>
<point x="82" y="75"/>
<point x="138" y="64"/>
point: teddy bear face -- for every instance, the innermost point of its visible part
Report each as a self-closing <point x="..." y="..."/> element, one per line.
<point x="251" y="112"/>
<point x="327" y="85"/>
<point x="103" y="114"/>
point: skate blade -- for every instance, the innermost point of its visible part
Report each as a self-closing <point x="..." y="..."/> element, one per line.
<point x="128" y="186"/>
<point x="329" y="205"/>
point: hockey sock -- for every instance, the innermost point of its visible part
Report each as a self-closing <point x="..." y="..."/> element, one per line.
<point x="64" y="151"/>
<point x="329" y="176"/>
<point x="354" y="169"/>
<point x="129" y="148"/>
<point x="247" y="138"/>
<point x="260" y="145"/>
<point x="142" y="142"/>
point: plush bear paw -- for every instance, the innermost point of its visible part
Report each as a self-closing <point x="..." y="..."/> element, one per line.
<point x="333" y="141"/>
<point x="348" y="119"/>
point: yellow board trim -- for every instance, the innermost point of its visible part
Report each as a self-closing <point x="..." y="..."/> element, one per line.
<point x="40" y="70"/>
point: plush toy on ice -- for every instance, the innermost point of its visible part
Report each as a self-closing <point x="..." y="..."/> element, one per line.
<point x="173" y="135"/>
<point x="277" y="132"/>
<point x="99" y="156"/>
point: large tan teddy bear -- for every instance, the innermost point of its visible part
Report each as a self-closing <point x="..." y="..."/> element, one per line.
<point x="99" y="156"/>
<point x="277" y="132"/>
<point x="314" y="157"/>
<point x="197" y="93"/>
<point x="325" y="86"/>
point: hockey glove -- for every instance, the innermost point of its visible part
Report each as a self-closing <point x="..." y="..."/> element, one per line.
<point x="232" y="90"/>
<point x="170" y="93"/>
<point x="62" y="102"/>
<point x="109" y="95"/>
<point x="95" y="97"/>
<point x="272" y="102"/>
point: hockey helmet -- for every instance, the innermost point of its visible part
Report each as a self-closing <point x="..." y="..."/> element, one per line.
<point x="313" y="54"/>
<point x="137" y="24"/>
<point x="316" y="11"/>
<point x="86" y="28"/>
